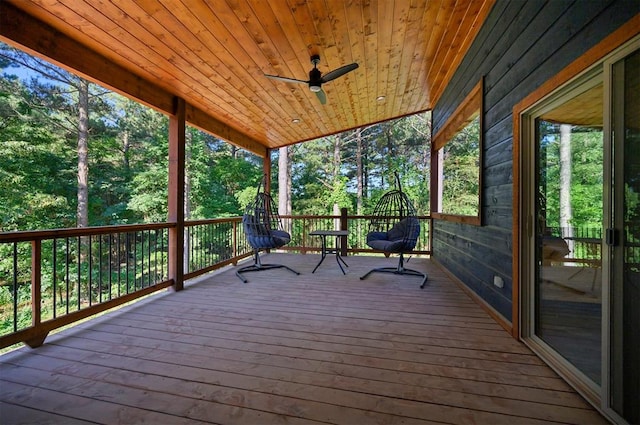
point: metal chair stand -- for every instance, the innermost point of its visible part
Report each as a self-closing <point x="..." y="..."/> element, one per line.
<point x="257" y="266"/>
<point x="400" y="270"/>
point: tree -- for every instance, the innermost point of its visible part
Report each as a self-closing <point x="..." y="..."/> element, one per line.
<point x="65" y="99"/>
<point x="33" y="159"/>
<point x="566" y="214"/>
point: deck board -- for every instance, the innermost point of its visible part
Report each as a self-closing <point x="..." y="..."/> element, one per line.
<point x="314" y="348"/>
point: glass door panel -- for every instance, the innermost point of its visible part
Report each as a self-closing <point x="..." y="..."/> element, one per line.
<point x="625" y="240"/>
<point x="568" y="229"/>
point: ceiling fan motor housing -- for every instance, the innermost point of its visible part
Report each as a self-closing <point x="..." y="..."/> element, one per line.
<point x="315" y="82"/>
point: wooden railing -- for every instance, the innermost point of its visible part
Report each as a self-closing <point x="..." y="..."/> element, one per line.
<point x="301" y="226"/>
<point x="585" y="245"/>
<point x="212" y="244"/>
<point x="52" y="278"/>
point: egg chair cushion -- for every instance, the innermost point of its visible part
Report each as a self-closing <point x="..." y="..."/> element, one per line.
<point x="273" y="239"/>
<point x="402" y="237"/>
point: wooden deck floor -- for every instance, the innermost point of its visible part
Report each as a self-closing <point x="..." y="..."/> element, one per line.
<point x="287" y="349"/>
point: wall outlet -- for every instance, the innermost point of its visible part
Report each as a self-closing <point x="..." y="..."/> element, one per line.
<point x="497" y="281"/>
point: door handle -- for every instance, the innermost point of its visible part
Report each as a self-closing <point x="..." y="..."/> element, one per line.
<point x="612" y="237"/>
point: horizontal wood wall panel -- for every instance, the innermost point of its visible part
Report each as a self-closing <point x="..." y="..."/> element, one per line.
<point x="473" y="272"/>
<point x="521" y="45"/>
<point x="560" y="45"/>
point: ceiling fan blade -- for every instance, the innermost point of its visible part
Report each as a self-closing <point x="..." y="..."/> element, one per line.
<point x="322" y="96"/>
<point x="285" y="79"/>
<point x="332" y="75"/>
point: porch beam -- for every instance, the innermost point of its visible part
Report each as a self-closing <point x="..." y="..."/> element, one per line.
<point x="205" y="122"/>
<point x="177" y="137"/>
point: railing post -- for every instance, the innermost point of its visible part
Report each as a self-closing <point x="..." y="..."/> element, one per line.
<point x="344" y="225"/>
<point x="304" y="235"/>
<point x="234" y="242"/>
<point x="36" y="293"/>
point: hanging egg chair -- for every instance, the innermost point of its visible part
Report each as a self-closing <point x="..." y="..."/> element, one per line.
<point x="394" y="228"/>
<point x="263" y="229"/>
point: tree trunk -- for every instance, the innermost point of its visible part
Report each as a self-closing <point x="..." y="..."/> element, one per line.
<point x="284" y="186"/>
<point x="336" y="174"/>
<point x="83" y="154"/>
<point x="359" y="172"/>
<point x="187" y="199"/>
<point x="566" y="213"/>
<point x="126" y="145"/>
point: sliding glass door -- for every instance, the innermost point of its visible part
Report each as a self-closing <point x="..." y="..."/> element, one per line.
<point x="568" y="230"/>
<point x="581" y="240"/>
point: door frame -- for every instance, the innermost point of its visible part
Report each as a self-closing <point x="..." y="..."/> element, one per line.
<point x="612" y="156"/>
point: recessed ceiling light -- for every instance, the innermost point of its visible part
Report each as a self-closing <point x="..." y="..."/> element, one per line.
<point x="380" y="98"/>
<point x="295" y="120"/>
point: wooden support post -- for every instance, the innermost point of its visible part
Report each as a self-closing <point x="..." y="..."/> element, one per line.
<point x="344" y="225"/>
<point x="176" y="193"/>
<point x="266" y="169"/>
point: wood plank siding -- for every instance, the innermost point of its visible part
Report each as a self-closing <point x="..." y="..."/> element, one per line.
<point x="520" y="46"/>
<point x="308" y="349"/>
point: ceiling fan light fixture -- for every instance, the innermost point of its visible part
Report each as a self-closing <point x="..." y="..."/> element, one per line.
<point x="316" y="78"/>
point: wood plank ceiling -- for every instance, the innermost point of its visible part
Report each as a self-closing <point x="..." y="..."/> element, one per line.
<point x="214" y="54"/>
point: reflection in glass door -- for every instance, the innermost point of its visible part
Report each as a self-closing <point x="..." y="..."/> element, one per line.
<point x="624" y="239"/>
<point x="568" y="229"/>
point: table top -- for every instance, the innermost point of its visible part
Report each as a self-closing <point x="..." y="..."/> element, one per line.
<point x="330" y="233"/>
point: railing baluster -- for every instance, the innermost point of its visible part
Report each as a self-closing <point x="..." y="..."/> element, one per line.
<point x="36" y="282"/>
<point x="135" y="261"/>
<point x="54" y="277"/>
<point x="79" y="266"/>
<point x="110" y="267"/>
<point x="99" y="269"/>
<point x="148" y="258"/>
<point x="15" y="286"/>
<point x="127" y="251"/>
<point x="142" y="253"/>
<point x="90" y="270"/>
<point x="67" y="274"/>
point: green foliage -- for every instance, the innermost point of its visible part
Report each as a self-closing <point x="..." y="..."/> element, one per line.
<point x="461" y="172"/>
<point x="396" y="146"/>
<point x="149" y="194"/>
<point x="128" y="156"/>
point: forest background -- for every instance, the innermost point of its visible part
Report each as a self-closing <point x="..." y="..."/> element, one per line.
<point x="75" y="154"/>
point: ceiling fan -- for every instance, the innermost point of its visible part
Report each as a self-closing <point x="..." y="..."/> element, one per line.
<point x="316" y="79"/>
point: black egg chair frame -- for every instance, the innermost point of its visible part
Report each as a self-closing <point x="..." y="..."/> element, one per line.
<point x="395" y="228"/>
<point x="263" y="229"/>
